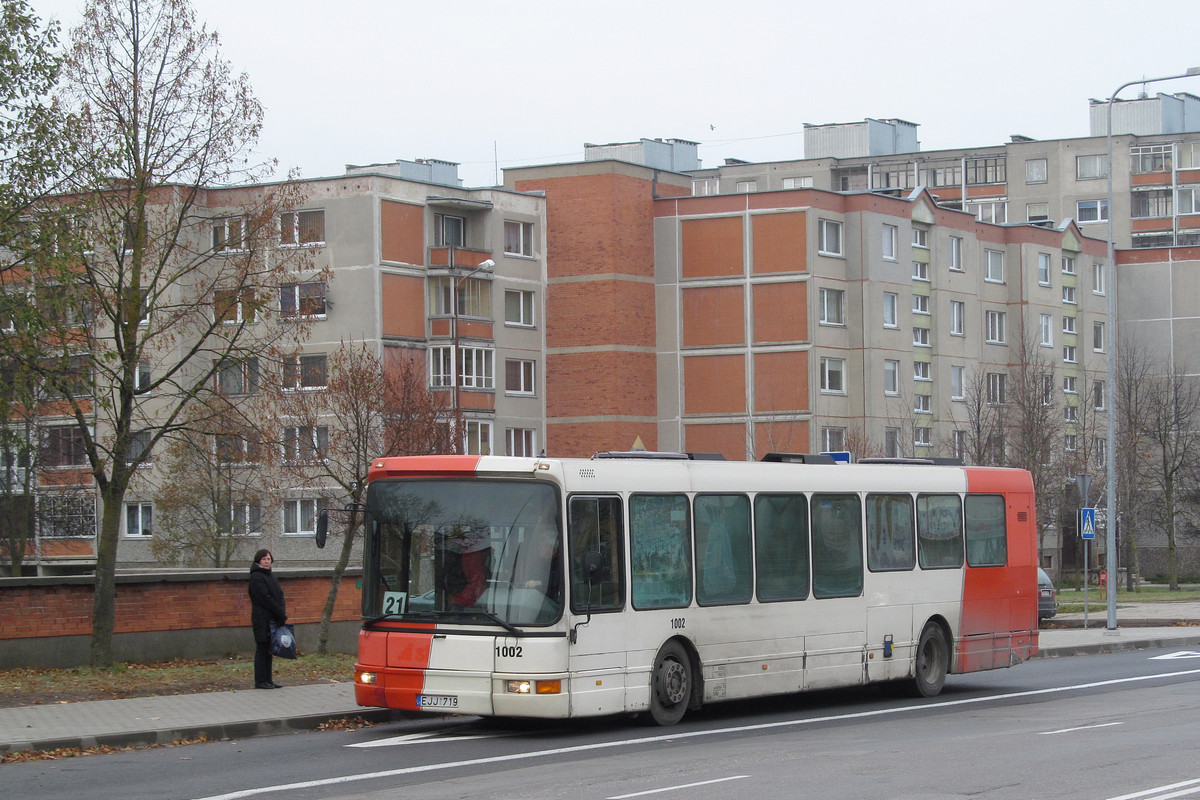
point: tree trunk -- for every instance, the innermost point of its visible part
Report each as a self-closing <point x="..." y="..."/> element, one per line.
<point x="104" y="598"/>
<point x="335" y="582"/>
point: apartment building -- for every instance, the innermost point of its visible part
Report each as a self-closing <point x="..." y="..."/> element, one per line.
<point x="1156" y="171"/>
<point x="399" y="257"/>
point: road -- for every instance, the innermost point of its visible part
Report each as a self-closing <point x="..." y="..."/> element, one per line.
<point x="1125" y="725"/>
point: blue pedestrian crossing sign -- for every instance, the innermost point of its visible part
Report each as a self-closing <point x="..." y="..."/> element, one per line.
<point x="1087" y="523"/>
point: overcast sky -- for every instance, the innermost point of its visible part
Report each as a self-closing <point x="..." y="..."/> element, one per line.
<point x="493" y="84"/>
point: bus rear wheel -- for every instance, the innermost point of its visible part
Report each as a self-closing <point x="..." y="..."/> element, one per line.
<point x="670" y="684"/>
<point x="932" y="661"/>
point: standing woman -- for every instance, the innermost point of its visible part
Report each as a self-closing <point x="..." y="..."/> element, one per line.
<point x="266" y="605"/>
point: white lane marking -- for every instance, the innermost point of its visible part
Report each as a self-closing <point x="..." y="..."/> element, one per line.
<point x="1080" y="728"/>
<point x="1173" y="656"/>
<point x="1153" y="794"/>
<point x="667" y="737"/>
<point x="421" y="738"/>
<point x="675" y="788"/>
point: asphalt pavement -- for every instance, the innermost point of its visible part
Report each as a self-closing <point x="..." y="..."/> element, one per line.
<point x="143" y="721"/>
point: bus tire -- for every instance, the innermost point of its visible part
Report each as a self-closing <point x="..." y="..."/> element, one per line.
<point x="932" y="661"/>
<point x="670" y="684"/>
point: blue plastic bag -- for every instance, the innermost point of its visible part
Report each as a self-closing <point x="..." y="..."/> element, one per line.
<point x="283" y="640"/>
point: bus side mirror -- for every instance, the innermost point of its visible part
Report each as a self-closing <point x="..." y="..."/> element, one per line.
<point x="322" y="528"/>
<point x="593" y="565"/>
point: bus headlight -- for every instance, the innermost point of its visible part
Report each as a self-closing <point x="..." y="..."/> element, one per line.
<point x="533" y="687"/>
<point x="367" y="678"/>
<point x="519" y="687"/>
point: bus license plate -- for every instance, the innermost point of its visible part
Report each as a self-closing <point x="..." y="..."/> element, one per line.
<point x="437" y="701"/>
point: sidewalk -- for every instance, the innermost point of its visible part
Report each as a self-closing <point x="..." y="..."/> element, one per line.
<point x="241" y="714"/>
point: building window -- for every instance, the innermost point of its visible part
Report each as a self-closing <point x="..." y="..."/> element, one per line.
<point x="1150" y="158"/>
<point x="478" y="364"/>
<point x="891" y="302"/>
<point x="996" y="323"/>
<point x="920" y="237"/>
<point x="830" y="238"/>
<point x="804" y="182"/>
<point x="956" y="253"/>
<point x="241" y="519"/>
<point x="1098" y="395"/>
<point x="920" y="271"/>
<point x="891" y="442"/>
<point x="985" y="170"/>
<point x="1068" y="265"/>
<point x="921" y="370"/>
<point x="832" y="371"/>
<point x="138" y="518"/>
<point x="518" y="376"/>
<point x="832" y="307"/>
<point x="1090" y="167"/>
<point x="449" y="231"/>
<point x="1047" y="389"/>
<point x="1098" y="275"/>
<point x="1035" y="170"/>
<point x="302" y="300"/>
<point x="474" y="297"/>
<point x="1154" y="203"/>
<point x="1187" y="200"/>
<point x="229" y="235"/>
<point x="959" y="444"/>
<point x="1046" y="327"/>
<point x="920" y="304"/>
<point x="891" y="377"/>
<point x="1069" y="441"/>
<point x="234" y="448"/>
<point x="958" y="382"/>
<point x="1098" y="342"/>
<point x="238" y="376"/>
<point x="66" y="515"/>
<point x="1091" y="211"/>
<point x="302" y="228"/>
<point x="1037" y="212"/>
<point x="304" y="444"/>
<point x="139" y="448"/>
<point x="477" y="437"/>
<point x="1068" y="294"/>
<point x="306" y="372"/>
<point x="833" y="440"/>
<point x="993" y="266"/>
<point x="1068" y="324"/>
<point x="745" y="187"/>
<point x="63" y="446"/>
<point x="889" y="242"/>
<point x="702" y="187"/>
<point x="518" y="238"/>
<point x="995" y="211"/>
<point x="1100" y="449"/>
<point x="441" y="366"/>
<point x="1069" y="382"/>
<point x="996" y="386"/>
<point x="520" y="442"/>
<point x="1044" y="269"/>
<point x="922" y="437"/>
<point x="1071" y="413"/>
<point x="921" y="337"/>
<point x="144" y="377"/>
<point x="1069" y="353"/>
<point x="958" y="318"/>
<point x="232" y="308"/>
<point x="300" y="517"/>
<point x="518" y="308"/>
<point x="922" y="404"/>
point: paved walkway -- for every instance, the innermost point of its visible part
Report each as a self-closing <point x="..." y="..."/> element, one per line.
<point x="252" y="712"/>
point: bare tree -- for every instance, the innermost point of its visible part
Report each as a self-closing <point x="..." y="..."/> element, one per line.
<point x="983" y="427"/>
<point x="372" y="407"/>
<point x="1135" y="366"/>
<point x="148" y="311"/>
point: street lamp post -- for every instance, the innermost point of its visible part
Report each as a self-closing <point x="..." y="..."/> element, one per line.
<point x="455" y="356"/>
<point x="1110" y="389"/>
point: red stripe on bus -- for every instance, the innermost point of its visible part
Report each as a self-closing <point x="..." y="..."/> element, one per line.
<point x="399" y="661"/>
<point x="999" y="609"/>
<point x="422" y="466"/>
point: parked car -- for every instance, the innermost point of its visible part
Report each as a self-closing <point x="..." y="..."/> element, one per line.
<point x="1047" y="596"/>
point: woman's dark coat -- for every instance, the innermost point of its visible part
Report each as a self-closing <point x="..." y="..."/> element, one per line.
<point x="266" y="603"/>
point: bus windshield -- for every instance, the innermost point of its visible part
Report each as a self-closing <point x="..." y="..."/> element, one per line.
<point x="465" y="551"/>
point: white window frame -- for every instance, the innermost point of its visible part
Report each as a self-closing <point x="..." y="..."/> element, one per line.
<point x="921" y="371"/>
<point x="441" y="366"/>
<point x="1099" y="340"/>
<point x="296" y="226"/>
<point x="891" y="310"/>
<point x="833" y="375"/>
<point x="478" y="367"/>
<point x="520" y="442"/>
<point x="995" y="324"/>
<point x="921" y="337"/>
<point x="1068" y="265"/>
<point x="449" y="230"/>
<point x="477" y="437"/>
<point x="958" y="382"/>
<point x="519" y="308"/>
<point x="298" y="370"/>
<point x="229" y="230"/>
<point x="920" y="304"/>
<point x="1070" y="354"/>
<point x="993" y="266"/>
<point x="920" y="271"/>
<point x="1069" y="384"/>
<point x="830" y="242"/>
<point x="1088" y="212"/>
<point x="922" y="404"/>
<point x="1098" y="278"/>
<point x="1068" y="324"/>
<point x="143" y="513"/>
<point x="997" y="388"/>
<point x="958" y="318"/>
<point x="891" y="377"/>
<point x="525" y="370"/>
<point x="1036" y="170"/>
<point x="1046" y="327"/>
<point x="956" y="254"/>
<point x="833" y="307"/>
<point x="518" y="238"/>
<point x="1043" y="269"/>
<point x="1091" y="167"/>
<point x="305" y="444"/>
<point x="920" y="237"/>
<point x="922" y="436"/>
<point x="303" y="300"/>
<point x="888" y="242"/>
<point x="1068" y="295"/>
<point x="300" y="516"/>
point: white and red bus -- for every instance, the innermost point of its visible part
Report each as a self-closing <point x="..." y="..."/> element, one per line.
<point x="634" y="582"/>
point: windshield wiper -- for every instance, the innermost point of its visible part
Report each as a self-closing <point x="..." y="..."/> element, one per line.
<point x="503" y="623"/>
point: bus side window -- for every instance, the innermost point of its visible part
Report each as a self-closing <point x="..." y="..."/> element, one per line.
<point x="660" y="551"/>
<point x="890" y="532"/>
<point x="594" y="525"/>
<point x="939" y="531"/>
<point x="837" y="545"/>
<point x="781" y="546"/>
<point x="722" y="549"/>
<point x="987" y="533"/>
